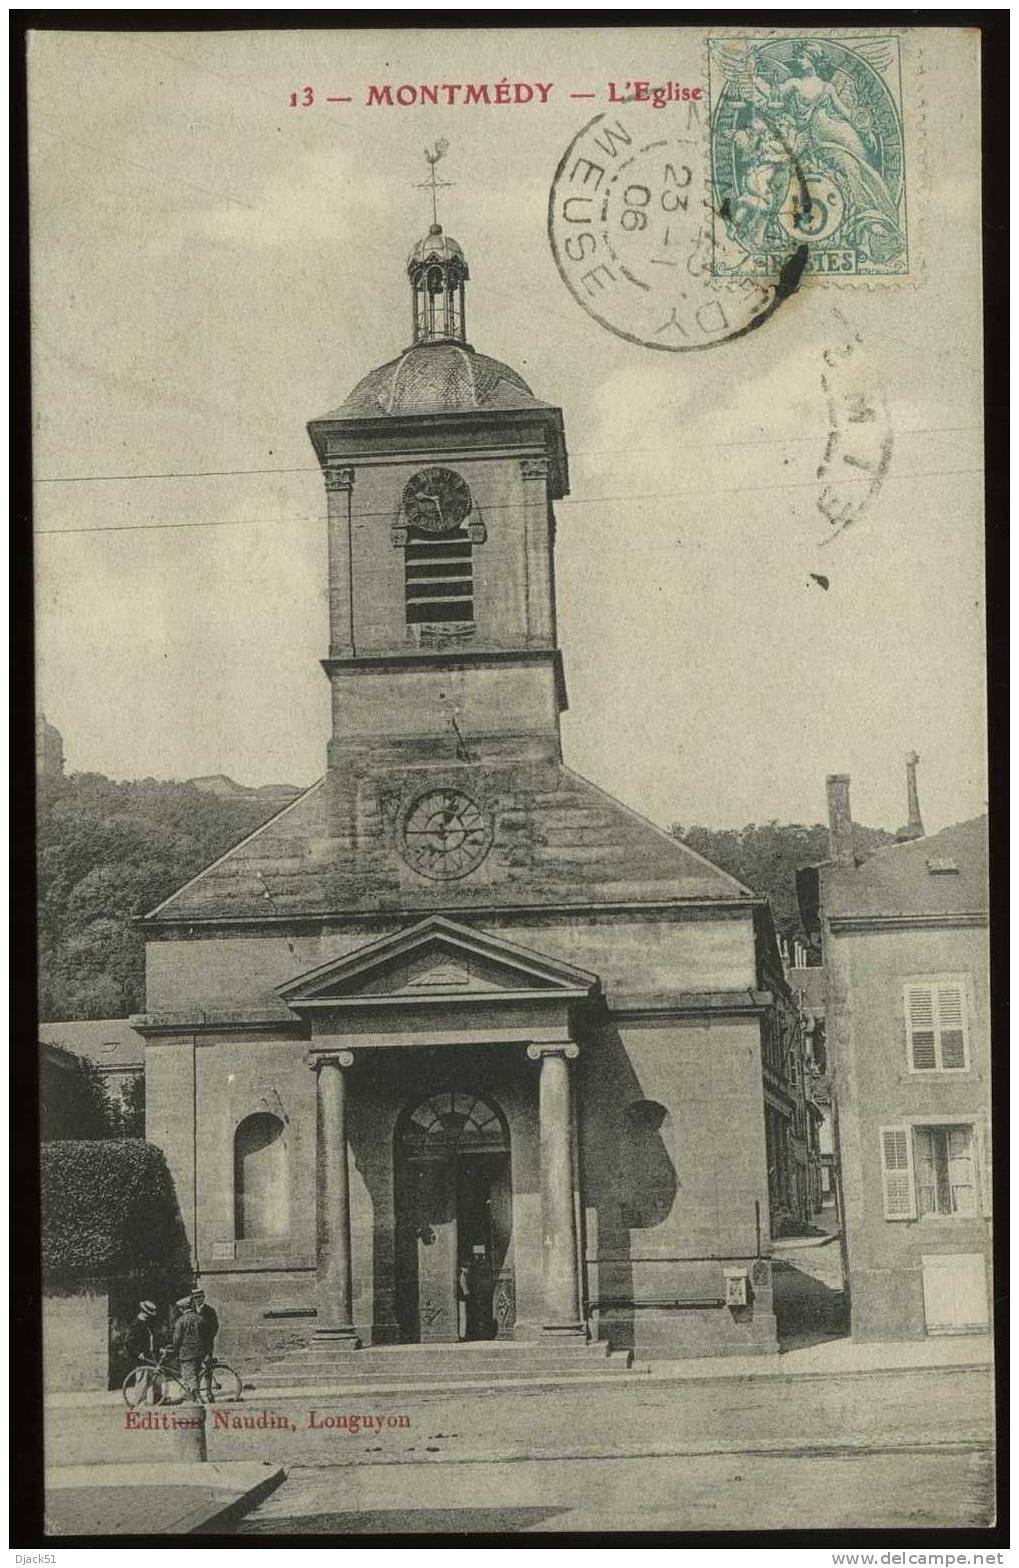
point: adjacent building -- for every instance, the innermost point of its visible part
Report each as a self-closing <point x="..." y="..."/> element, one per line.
<point x="808" y="984"/>
<point x="49" y="750"/>
<point x="110" y="1044"/>
<point x="790" y="1117"/>
<point x="905" y="944"/>
<point x="455" y="1013"/>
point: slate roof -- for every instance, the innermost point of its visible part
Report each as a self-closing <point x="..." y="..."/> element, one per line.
<point x="435" y="378"/>
<point x="897" y="880"/>
<point x="558" y="839"/>
<point x="109" y="1042"/>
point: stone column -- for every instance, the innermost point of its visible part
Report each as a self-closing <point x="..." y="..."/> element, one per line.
<point x="339" y="482"/>
<point x="335" y="1295"/>
<point x="558" y="1221"/>
<point x="539" y="544"/>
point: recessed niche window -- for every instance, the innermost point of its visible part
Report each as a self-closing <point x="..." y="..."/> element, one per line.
<point x="439" y="577"/>
<point x="261" y="1179"/>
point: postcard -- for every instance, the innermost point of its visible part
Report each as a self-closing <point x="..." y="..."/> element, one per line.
<point x="514" y="1041"/>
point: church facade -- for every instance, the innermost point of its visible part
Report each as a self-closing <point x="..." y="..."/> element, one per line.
<point x="456" y="1046"/>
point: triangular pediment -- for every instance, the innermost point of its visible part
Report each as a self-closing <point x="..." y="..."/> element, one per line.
<point x="434" y="960"/>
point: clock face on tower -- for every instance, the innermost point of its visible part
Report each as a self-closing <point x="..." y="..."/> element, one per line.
<point x="436" y="500"/>
<point x="445" y="834"/>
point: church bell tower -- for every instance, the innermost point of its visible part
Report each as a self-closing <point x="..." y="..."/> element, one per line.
<point x="440" y="469"/>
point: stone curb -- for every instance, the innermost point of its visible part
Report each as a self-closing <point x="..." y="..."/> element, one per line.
<point x="239" y="1506"/>
<point x="194" y="1517"/>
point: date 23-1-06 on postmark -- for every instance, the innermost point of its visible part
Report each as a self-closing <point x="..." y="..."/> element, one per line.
<point x="807" y="147"/>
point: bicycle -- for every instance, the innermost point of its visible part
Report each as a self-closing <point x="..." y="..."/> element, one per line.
<point x="160" y="1383"/>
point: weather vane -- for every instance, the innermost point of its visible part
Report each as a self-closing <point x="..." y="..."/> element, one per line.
<point x="433" y="183"/>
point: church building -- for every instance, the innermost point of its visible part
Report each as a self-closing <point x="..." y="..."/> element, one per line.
<point x="457" y="1047"/>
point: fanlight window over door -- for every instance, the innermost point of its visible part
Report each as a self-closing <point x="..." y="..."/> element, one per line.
<point x="455" y="1121"/>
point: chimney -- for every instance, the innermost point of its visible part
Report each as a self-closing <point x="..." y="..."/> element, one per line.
<point x="914" y="827"/>
<point x="840" y="821"/>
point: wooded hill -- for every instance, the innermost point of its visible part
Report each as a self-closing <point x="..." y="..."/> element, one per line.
<point x="108" y="852"/>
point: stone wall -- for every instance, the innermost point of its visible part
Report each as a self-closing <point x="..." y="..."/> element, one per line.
<point x="76" y="1339"/>
<point x="675" y="1183"/>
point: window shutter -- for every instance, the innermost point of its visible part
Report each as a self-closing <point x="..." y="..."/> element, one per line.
<point x="952" y="1025"/>
<point x="984" y="1170"/>
<point x="920" y="1027"/>
<point x="897" y="1173"/>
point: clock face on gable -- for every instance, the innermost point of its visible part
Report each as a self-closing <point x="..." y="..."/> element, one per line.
<point x="436" y="500"/>
<point x="445" y="834"/>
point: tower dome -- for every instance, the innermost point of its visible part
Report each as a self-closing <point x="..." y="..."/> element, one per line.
<point x="439" y="371"/>
<point x="436" y="246"/>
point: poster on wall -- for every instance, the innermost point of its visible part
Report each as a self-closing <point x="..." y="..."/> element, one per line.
<point x="512" y="808"/>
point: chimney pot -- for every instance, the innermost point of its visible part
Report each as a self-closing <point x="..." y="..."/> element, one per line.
<point x="840" y="821"/>
<point x="915" y="827"/>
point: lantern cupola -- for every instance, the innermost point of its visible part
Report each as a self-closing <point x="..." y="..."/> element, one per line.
<point x="437" y="269"/>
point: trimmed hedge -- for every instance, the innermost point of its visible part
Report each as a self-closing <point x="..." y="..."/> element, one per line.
<point x="109" y="1210"/>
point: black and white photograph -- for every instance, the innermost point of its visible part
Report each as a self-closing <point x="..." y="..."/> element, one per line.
<point x="514" y="1042"/>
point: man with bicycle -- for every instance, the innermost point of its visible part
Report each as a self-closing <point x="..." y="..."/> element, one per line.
<point x="209" y="1328"/>
<point x="188" y="1345"/>
<point x="140" y="1341"/>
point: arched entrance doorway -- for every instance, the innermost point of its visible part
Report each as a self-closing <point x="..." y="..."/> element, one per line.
<point x="454" y="1220"/>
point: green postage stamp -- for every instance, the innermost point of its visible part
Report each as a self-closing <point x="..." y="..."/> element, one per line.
<point x="807" y="147"/>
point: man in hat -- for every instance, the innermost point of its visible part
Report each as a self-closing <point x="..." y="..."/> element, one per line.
<point x="140" y="1340"/>
<point x="187" y="1345"/>
<point x="209" y="1321"/>
<point x="140" y="1346"/>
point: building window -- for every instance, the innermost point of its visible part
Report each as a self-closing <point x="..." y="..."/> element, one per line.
<point x="944" y="1170"/>
<point x="261" y="1179"/>
<point x="439" y="577"/>
<point x="928" y="1171"/>
<point x="936" y="1027"/>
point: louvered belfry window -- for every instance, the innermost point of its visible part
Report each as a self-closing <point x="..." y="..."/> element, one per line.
<point x="936" y="1027"/>
<point x="439" y="577"/>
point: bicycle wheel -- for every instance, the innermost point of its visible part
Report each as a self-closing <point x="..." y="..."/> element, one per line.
<point x="224" y="1382"/>
<point x="171" y="1390"/>
<point x="138" y="1387"/>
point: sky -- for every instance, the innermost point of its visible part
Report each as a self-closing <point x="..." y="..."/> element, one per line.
<point x="212" y="268"/>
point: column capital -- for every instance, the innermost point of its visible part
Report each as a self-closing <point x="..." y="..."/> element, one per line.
<point x="539" y="1048"/>
<point x="534" y="467"/>
<point x="338" y="477"/>
<point x="317" y="1059"/>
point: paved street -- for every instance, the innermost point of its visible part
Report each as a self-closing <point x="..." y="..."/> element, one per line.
<point x="610" y="1418"/>
<point x="720" y="1492"/>
<point x="904" y="1448"/>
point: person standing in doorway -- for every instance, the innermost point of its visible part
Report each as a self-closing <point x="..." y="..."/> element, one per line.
<point x="463" y="1290"/>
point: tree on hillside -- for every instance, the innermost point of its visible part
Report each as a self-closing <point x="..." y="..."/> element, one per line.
<point x="108" y="852"/>
<point x="765" y="858"/>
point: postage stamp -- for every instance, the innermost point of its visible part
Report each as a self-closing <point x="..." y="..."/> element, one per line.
<point x="808" y="147"/>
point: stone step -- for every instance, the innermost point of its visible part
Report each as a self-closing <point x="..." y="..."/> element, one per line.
<point x="442" y="1366"/>
<point x="406" y="1365"/>
<point x="482" y="1377"/>
<point x="444" y="1352"/>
